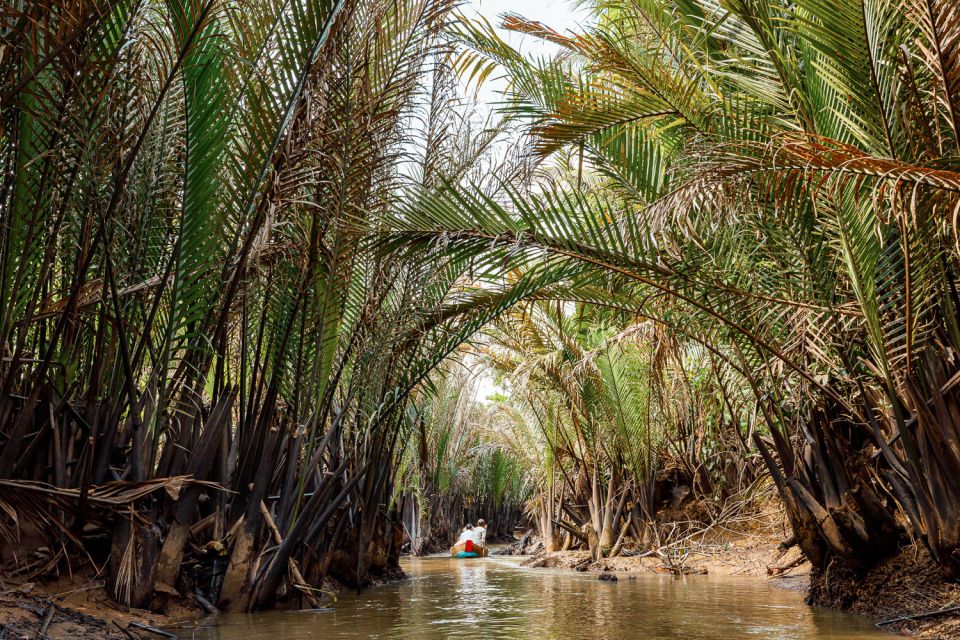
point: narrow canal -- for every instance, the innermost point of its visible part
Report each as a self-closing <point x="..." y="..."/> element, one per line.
<point x="495" y="598"/>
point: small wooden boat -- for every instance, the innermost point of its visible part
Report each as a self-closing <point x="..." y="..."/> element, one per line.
<point x="468" y="550"/>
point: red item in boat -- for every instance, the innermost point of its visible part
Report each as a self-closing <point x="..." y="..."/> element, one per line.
<point x="468" y="546"/>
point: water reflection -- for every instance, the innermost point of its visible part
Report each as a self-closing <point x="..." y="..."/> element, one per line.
<point x="493" y="598"/>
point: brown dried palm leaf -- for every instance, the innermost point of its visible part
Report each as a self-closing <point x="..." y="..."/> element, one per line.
<point x="48" y="510"/>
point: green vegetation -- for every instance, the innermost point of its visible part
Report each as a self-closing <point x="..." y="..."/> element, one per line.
<point x="244" y="246"/>
<point x="621" y="416"/>
<point x="776" y="182"/>
<point x="460" y="464"/>
<point x="190" y="290"/>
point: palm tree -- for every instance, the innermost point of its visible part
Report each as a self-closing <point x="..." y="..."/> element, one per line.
<point x="772" y="180"/>
<point x="192" y="300"/>
<point x="616" y="406"/>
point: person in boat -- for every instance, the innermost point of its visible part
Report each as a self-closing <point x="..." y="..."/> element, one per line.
<point x="466" y="534"/>
<point x="480" y="533"/>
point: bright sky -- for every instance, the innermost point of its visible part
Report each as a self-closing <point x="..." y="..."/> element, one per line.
<point x="560" y="15"/>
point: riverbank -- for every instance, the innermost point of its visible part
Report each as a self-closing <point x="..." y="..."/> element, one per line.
<point x="28" y="614"/>
<point x="907" y="594"/>
<point x="731" y="557"/>
<point x="754" y="542"/>
<point x="78" y="607"/>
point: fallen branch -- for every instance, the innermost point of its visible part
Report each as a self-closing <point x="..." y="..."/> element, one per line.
<point x="779" y="571"/>
<point x="46" y="622"/>
<point x="153" y="630"/>
<point x="126" y="632"/>
<point x="917" y="616"/>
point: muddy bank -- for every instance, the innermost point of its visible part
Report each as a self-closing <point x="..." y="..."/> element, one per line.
<point x="748" y="544"/>
<point x="80" y="609"/>
<point x="731" y="558"/>
<point x="23" y="616"/>
<point x="905" y="594"/>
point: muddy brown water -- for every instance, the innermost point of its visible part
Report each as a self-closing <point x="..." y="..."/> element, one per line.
<point x="495" y="598"/>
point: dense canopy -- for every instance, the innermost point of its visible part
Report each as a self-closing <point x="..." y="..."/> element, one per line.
<point x="258" y="257"/>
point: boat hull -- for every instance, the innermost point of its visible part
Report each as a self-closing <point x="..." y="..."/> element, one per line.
<point x="468" y="550"/>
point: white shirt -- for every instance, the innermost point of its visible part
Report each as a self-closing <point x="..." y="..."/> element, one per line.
<point x="465" y="535"/>
<point x="479" y="536"/>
